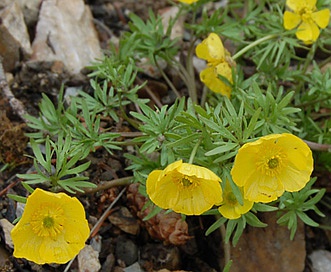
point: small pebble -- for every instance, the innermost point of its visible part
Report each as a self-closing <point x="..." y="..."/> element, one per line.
<point x="321" y="260"/>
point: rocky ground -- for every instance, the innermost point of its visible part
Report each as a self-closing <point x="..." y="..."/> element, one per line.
<point x="31" y="36"/>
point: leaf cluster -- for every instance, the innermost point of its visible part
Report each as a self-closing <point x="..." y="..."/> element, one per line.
<point x="63" y="173"/>
<point x="152" y="40"/>
<point x="295" y="206"/>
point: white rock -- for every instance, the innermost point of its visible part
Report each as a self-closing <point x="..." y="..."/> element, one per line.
<point x="88" y="260"/>
<point x="30" y="10"/>
<point x="6" y="228"/>
<point x="65" y="32"/>
<point x="14" y="37"/>
<point x="168" y="14"/>
<point x="321" y="260"/>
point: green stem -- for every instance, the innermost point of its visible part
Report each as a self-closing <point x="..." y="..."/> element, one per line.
<point x="204" y="95"/>
<point x="194" y="151"/>
<point x="309" y="57"/>
<point x="226" y="246"/>
<point x="110" y="184"/>
<point x="189" y="62"/>
<point x="251" y="45"/>
<point x="188" y="79"/>
<point x="190" y="69"/>
<point x="308" y="61"/>
<point x="173" y="88"/>
<point x="125" y="116"/>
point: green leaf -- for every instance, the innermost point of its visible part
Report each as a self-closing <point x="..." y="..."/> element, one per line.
<point x="27" y="187"/>
<point x="217" y="224"/>
<point x="17" y="198"/>
<point x="187" y="140"/>
<point x="286" y="100"/>
<point x="252" y="124"/>
<point x="261" y="207"/>
<point x="230" y="227"/>
<point x="254" y="221"/>
<point x="227" y="267"/>
<point x="156" y="210"/>
<point x="284" y="218"/>
<point x="222" y="149"/>
<point x="241" y="223"/>
<point x="306" y="219"/>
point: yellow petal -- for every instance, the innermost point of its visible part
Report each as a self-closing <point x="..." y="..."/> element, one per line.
<point x="308" y="32"/>
<point x="211" y="49"/>
<point x="297" y="5"/>
<point x="310" y="4"/>
<point x="291" y="20"/>
<point x="166" y="191"/>
<point x="192" y="202"/>
<point x="57" y="245"/>
<point x="59" y="250"/>
<point x="210" y="78"/>
<point x="200" y="172"/>
<point x="185" y="188"/>
<point x="242" y="209"/>
<point x="188" y="1"/>
<point x="151" y="182"/>
<point x="229" y="212"/>
<point x="245" y="163"/>
<point x="264" y="182"/>
<point x="26" y="245"/>
<point x="235" y="211"/>
<point x="224" y="70"/>
<point x="173" y="166"/>
<point x="231" y="208"/>
<point x="293" y="179"/>
<point x="259" y="188"/>
<point x="298" y="152"/>
<point x="212" y="191"/>
<point x="321" y="18"/>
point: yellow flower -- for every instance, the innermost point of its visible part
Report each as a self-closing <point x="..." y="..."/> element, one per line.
<point x="306" y="18"/>
<point x="271" y="165"/>
<point x="219" y="64"/>
<point x="230" y="207"/>
<point x="53" y="228"/>
<point x="184" y="188"/>
<point x="188" y="1"/>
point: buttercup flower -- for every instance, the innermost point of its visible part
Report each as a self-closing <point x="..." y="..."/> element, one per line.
<point x="271" y="165"/>
<point x="53" y="228"/>
<point x="188" y="1"/>
<point x="184" y="188"/>
<point x="219" y="64"/>
<point x="230" y="207"/>
<point x="306" y="18"/>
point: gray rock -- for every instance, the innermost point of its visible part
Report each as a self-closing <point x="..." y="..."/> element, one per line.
<point x="321" y="260"/>
<point x="126" y="251"/>
<point x="133" y="268"/>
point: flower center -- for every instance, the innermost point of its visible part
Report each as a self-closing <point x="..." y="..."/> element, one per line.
<point x="305" y="14"/>
<point x="47" y="220"/>
<point x="231" y="199"/>
<point x="186" y="182"/>
<point x="273" y="162"/>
